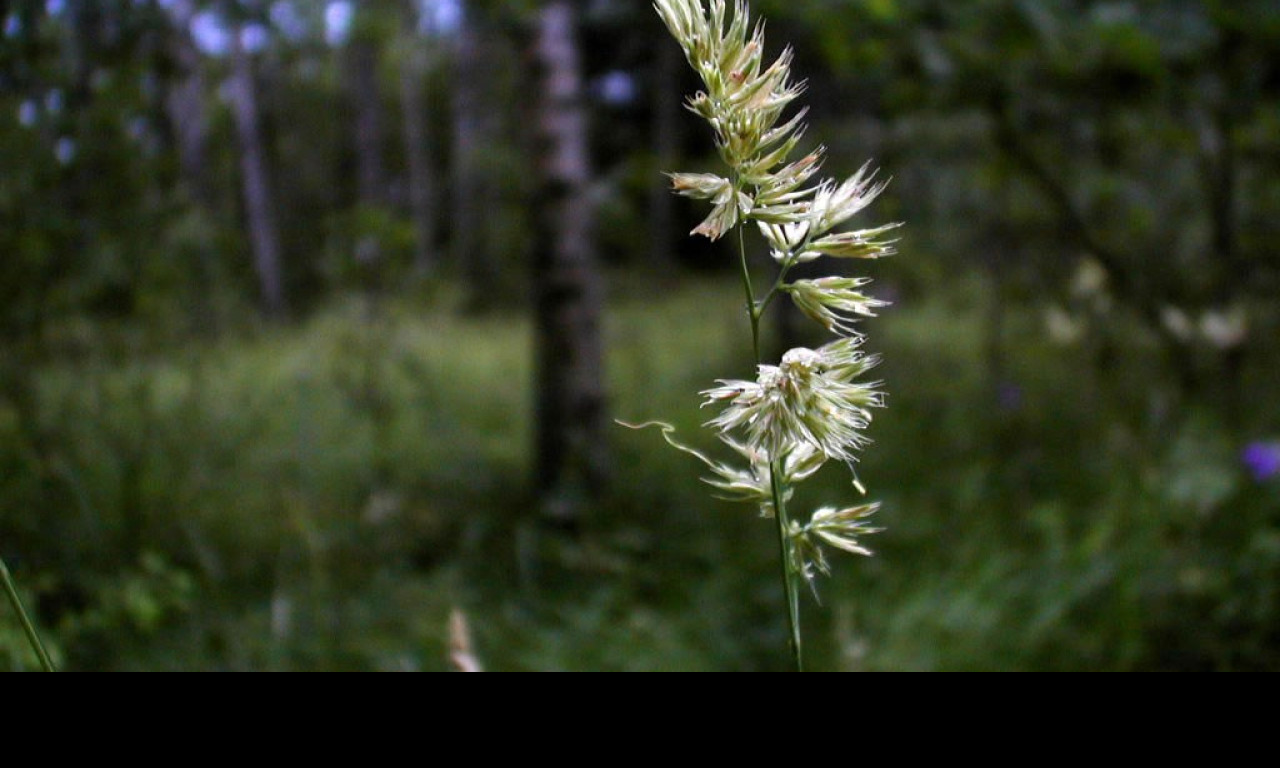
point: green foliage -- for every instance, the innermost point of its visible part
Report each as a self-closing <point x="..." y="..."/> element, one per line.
<point x="182" y="488"/>
<point x="19" y="652"/>
<point x="324" y="497"/>
<point x="367" y="245"/>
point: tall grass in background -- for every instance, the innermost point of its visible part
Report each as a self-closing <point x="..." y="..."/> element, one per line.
<point x="1056" y="519"/>
<point x="28" y="627"/>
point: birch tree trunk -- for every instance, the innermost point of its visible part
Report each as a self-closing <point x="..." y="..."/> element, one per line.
<point x="259" y="202"/>
<point x="571" y="452"/>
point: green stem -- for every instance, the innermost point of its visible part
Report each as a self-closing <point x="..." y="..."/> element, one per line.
<point x="767" y="301"/>
<point x="791" y="591"/>
<point x="789" y="585"/>
<point x="32" y="636"/>
<point x="789" y="264"/>
<point x="753" y="309"/>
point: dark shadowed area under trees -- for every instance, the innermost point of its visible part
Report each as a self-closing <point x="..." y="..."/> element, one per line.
<point x="316" y="318"/>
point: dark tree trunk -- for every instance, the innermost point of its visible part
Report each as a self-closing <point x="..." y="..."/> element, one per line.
<point x="666" y="148"/>
<point x="259" y="203"/>
<point x="473" y="128"/>
<point x="1222" y="178"/>
<point x="1234" y="274"/>
<point x="185" y="105"/>
<point x="82" y="53"/>
<point x="363" y="61"/>
<point x="183" y="110"/>
<point x="571" y="453"/>
<point x="417" y="136"/>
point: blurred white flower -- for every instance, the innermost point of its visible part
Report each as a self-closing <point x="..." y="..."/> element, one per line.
<point x="1091" y="279"/>
<point x="1177" y="323"/>
<point x="1225" y="329"/>
<point x="1062" y="327"/>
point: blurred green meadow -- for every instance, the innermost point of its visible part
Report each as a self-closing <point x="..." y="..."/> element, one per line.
<point x="292" y="291"/>
<point x="324" y="497"/>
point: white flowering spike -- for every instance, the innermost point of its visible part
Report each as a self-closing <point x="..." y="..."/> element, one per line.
<point x="754" y="484"/>
<point x="812" y="407"/>
<point x="845" y="361"/>
<point x="853" y="245"/>
<point x="832" y="301"/>
<point x="700" y="186"/>
<point x="805" y="401"/>
<point x="839" y="528"/>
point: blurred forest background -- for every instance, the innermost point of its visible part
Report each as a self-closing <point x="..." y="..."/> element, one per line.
<point x="315" y="317"/>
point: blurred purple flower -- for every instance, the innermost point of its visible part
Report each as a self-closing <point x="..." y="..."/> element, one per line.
<point x="1010" y="396"/>
<point x="1262" y="460"/>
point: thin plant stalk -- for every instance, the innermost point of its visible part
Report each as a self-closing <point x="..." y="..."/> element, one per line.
<point x="790" y="589"/>
<point x="753" y="309"/>
<point x="33" y="637"/>
<point x="790" y="586"/>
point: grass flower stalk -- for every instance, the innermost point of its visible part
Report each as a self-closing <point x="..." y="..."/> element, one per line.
<point x="811" y="408"/>
<point x="33" y="637"/>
